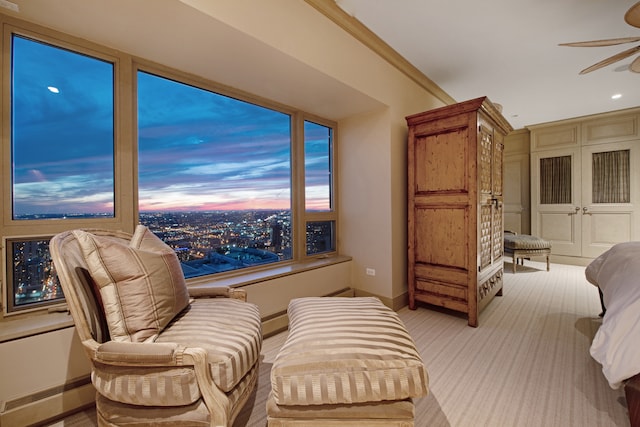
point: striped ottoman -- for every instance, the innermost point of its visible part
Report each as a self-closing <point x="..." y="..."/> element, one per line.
<point x="346" y="361"/>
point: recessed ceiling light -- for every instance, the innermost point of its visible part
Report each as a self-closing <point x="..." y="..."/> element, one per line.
<point x="53" y="89"/>
<point x="616" y="96"/>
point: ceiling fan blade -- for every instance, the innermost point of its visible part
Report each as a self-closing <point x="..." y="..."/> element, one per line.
<point x="598" y="43"/>
<point x="632" y="17"/>
<point x="635" y="65"/>
<point x="611" y="59"/>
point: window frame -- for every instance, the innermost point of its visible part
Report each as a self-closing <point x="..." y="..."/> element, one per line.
<point x="37" y="228"/>
<point x="125" y="158"/>
<point x="320" y="216"/>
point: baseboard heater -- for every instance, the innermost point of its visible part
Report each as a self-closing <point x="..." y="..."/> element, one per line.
<point x="48" y="404"/>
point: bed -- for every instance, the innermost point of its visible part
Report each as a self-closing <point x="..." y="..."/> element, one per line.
<point x="616" y="345"/>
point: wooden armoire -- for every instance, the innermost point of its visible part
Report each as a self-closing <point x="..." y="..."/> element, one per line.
<point x="455" y="206"/>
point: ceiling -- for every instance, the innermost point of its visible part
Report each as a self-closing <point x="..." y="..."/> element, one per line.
<point x="508" y="50"/>
<point x="504" y="49"/>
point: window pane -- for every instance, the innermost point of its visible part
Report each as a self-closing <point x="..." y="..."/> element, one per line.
<point x="214" y="176"/>
<point x="611" y="177"/>
<point x="62" y="133"/>
<point x="32" y="276"/>
<point x="317" y="167"/>
<point x="320" y="237"/>
<point x="555" y="180"/>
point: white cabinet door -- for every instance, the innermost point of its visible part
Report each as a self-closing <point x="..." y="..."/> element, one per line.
<point x="585" y="200"/>
<point x="609" y="196"/>
<point x="556" y="199"/>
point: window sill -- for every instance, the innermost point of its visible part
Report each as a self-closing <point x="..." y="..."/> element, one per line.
<point x="248" y="278"/>
<point x="22" y="326"/>
<point x="16" y="327"/>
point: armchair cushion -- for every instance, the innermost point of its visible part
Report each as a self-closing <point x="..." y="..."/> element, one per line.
<point x="227" y="329"/>
<point x="141" y="283"/>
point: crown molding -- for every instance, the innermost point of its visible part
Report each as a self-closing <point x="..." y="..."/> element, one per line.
<point x="360" y="32"/>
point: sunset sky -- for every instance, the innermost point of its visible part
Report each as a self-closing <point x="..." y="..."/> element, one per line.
<point x="197" y="150"/>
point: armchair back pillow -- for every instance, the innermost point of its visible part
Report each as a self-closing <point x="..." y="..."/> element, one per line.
<point x="141" y="283"/>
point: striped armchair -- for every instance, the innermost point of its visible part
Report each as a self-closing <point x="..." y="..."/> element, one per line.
<point x="161" y="353"/>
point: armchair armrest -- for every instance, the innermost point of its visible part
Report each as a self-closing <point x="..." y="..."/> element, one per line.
<point x="217" y="291"/>
<point x="148" y="354"/>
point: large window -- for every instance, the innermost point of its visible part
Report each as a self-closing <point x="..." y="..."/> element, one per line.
<point x="214" y="176"/>
<point x="62" y="133"/>
<point x="318" y="149"/>
<point x="228" y="180"/>
<point x="62" y="156"/>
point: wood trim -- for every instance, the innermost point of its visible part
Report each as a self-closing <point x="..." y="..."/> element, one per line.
<point x="632" y="393"/>
<point x="360" y="32"/>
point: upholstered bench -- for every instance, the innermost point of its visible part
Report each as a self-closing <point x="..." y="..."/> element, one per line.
<point x="521" y="246"/>
<point x="346" y="362"/>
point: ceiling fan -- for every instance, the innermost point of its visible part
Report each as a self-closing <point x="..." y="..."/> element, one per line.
<point x="632" y="17"/>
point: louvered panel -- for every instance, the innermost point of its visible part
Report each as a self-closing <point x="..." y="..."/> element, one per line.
<point x="486" y="234"/>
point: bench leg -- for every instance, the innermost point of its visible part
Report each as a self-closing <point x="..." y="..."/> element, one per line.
<point x="515" y="261"/>
<point x="547" y="262"/>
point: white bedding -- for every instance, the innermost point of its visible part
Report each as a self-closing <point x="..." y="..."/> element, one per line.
<point x="616" y="345"/>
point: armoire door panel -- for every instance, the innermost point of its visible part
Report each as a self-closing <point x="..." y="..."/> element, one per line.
<point x="440" y="236"/>
<point x="433" y="175"/>
<point x="486" y="235"/>
<point x="497" y="241"/>
<point x="497" y="183"/>
<point x="441" y="288"/>
<point x="441" y="274"/>
<point x="485" y="169"/>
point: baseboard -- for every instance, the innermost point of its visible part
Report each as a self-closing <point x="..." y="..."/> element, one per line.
<point x="395" y="304"/>
<point x="275" y="324"/>
<point x="570" y="260"/>
<point x="48" y="405"/>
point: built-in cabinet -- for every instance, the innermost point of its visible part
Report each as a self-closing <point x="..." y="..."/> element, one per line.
<point x="455" y="206"/>
<point x="585" y="184"/>
<point x="517" y="187"/>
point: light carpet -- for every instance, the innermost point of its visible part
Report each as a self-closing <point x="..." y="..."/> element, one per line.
<point x="527" y="364"/>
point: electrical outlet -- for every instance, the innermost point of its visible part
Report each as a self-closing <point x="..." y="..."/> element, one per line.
<point x="370" y="272"/>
